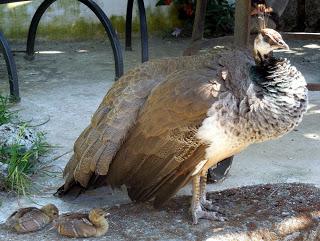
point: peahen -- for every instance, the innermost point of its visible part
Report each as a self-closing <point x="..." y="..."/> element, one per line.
<point x="164" y="123"/>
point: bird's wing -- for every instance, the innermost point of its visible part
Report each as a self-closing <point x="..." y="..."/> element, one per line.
<point x="33" y="220"/>
<point x="70" y="216"/>
<point x="76" y="228"/>
<point x="99" y="142"/>
<point x="22" y="211"/>
<point x="13" y="218"/>
<point x="162" y="150"/>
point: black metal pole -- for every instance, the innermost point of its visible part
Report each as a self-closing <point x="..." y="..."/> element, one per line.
<point x="144" y="31"/>
<point x="129" y="25"/>
<point x="34" y="26"/>
<point x="11" y="68"/>
<point x="112" y="35"/>
<point x="115" y="43"/>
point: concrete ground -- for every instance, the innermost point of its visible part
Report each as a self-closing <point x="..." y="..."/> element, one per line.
<point x="67" y="80"/>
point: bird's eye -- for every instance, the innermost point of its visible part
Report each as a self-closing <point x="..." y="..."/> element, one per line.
<point x="266" y="38"/>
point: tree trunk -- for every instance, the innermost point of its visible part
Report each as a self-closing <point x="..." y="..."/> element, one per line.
<point x="199" y="20"/>
<point x="242" y="23"/>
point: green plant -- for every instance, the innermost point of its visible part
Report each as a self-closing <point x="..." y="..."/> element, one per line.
<point x="219" y="18"/>
<point x="5" y="114"/>
<point x="219" y="15"/>
<point x="22" y="163"/>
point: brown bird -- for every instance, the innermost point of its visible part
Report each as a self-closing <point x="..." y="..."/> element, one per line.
<point x="79" y="225"/>
<point x="167" y="121"/>
<point x="32" y="219"/>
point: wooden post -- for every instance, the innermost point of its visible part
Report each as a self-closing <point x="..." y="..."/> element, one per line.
<point x="199" y="19"/>
<point x="242" y="23"/>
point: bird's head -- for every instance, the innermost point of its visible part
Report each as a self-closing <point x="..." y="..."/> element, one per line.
<point x="97" y="216"/>
<point x="51" y="211"/>
<point x="266" y="41"/>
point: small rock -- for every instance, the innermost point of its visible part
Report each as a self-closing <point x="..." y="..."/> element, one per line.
<point x="292" y="237"/>
<point x="4" y="172"/>
<point x="285" y="214"/>
<point x="4" y="169"/>
<point x="176" y="32"/>
<point x="251" y="226"/>
<point x="217" y="230"/>
<point x="11" y="134"/>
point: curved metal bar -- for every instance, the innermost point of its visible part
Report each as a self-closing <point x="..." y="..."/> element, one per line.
<point x="218" y="173"/>
<point x="11" y="67"/>
<point x="34" y="26"/>
<point x="115" y="43"/>
<point x="144" y="31"/>
<point x="129" y="25"/>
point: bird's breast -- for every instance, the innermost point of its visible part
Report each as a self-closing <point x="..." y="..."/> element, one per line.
<point x="223" y="131"/>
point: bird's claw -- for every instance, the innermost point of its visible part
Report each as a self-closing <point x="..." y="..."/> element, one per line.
<point x="199" y="213"/>
<point x="208" y="205"/>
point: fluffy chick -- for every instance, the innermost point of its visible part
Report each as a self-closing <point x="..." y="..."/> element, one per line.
<point x="79" y="225"/>
<point x="31" y="219"/>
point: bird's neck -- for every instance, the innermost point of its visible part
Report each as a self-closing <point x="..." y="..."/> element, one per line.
<point x="101" y="227"/>
<point x="277" y="75"/>
<point x="103" y="223"/>
<point x="280" y="95"/>
<point x="262" y="59"/>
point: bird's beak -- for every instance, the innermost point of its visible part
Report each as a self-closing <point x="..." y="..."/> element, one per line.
<point x="282" y="45"/>
<point x="285" y="46"/>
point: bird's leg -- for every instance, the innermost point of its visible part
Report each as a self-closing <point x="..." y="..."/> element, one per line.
<point x="198" y="211"/>
<point x="207" y="204"/>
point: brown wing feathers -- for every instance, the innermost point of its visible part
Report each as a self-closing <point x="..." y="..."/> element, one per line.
<point x="106" y="140"/>
<point x="161" y="151"/>
<point x="101" y="139"/>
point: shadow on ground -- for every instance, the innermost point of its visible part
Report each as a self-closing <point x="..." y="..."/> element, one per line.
<point x="261" y="212"/>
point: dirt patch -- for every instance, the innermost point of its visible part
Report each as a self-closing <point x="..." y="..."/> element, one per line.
<point x="262" y="212"/>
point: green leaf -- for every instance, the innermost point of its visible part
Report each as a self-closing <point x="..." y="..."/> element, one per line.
<point x="160" y="3"/>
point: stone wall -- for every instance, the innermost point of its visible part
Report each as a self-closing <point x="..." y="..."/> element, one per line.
<point x="72" y="19"/>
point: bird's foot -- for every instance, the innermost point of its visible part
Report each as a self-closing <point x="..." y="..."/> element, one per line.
<point x="201" y="213"/>
<point x="208" y="205"/>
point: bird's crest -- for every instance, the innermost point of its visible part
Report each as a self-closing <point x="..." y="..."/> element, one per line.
<point x="262" y="11"/>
